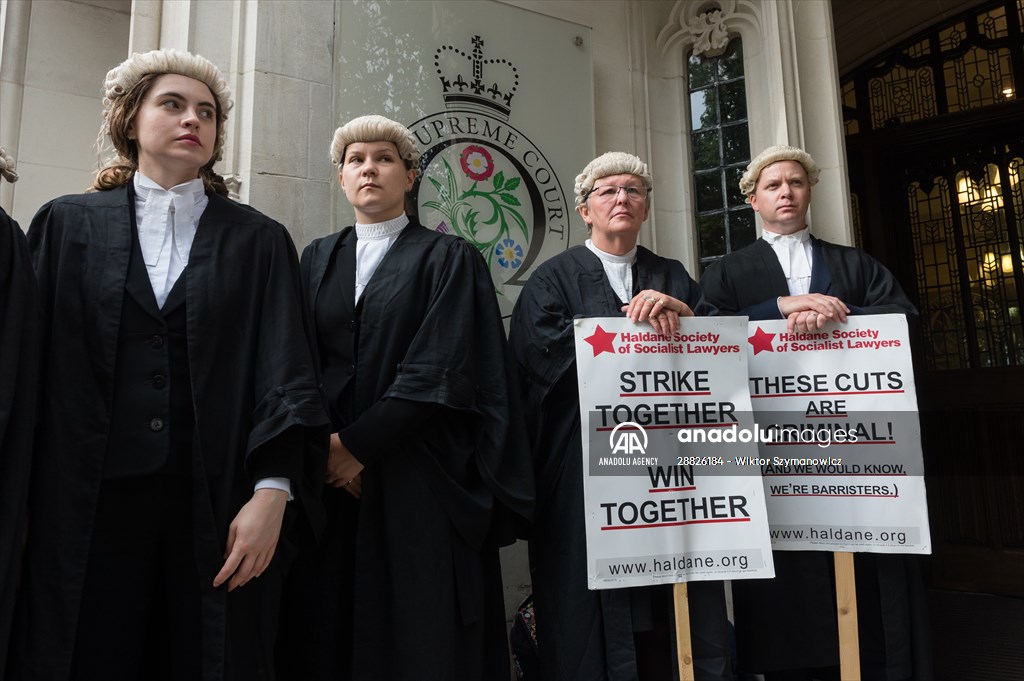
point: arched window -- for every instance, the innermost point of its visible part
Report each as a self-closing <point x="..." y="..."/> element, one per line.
<point x="720" y="145"/>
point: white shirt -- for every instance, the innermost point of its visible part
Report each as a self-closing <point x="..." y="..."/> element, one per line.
<point x="795" y="256"/>
<point x="167" y="220"/>
<point x="618" y="269"/>
<point x="372" y="244"/>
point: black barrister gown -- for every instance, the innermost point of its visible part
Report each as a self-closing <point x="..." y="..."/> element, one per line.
<point x="406" y="582"/>
<point x="253" y="378"/>
<point x="590" y="635"/>
<point x="19" y="358"/>
<point x="790" y="622"/>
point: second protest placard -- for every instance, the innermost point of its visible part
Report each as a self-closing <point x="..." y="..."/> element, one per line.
<point x="843" y="470"/>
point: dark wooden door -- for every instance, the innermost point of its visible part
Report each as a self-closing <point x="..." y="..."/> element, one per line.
<point x="942" y="205"/>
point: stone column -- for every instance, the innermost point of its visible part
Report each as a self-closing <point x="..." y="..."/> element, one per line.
<point x="792" y="81"/>
<point x="672" y="222"/>
<point x="54" y="56"/>
<point x="278" y="59"/>
<point x="12" y="84"/>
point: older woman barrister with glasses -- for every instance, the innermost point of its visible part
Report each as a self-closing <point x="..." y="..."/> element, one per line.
<point x="620" y="633"/>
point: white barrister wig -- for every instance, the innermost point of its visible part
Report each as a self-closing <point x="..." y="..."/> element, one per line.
<point x="125" y="76"/>
<point x="374" y="128"/>
<point x="610" y="163"/>
<point x="774" y="154"/>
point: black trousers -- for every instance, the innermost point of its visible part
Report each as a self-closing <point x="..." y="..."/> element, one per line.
<point x="140" y="616"/>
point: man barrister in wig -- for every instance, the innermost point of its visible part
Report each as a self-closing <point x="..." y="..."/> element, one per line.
<point x="786" y="627"/>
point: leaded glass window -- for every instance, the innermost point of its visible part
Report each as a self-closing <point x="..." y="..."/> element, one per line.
<point x="965" y="63"/>
<point x="966" y="227"/>
<point x="965" y="210"/>
<point x="720" y="145"/>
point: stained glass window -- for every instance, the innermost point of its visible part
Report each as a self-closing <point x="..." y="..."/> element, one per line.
<point x="966" y="212"/>
<point x="968" y="259"/>
<point x="965" y="63"/>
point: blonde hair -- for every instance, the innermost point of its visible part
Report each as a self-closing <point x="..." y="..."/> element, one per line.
<point x="610" y="163"/>
<point x="779" y="152"/>
<point x="374" y="128"/>
<point x="124" y="89"/>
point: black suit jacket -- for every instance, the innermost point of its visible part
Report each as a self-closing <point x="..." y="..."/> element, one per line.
<point x="748" y="282"/>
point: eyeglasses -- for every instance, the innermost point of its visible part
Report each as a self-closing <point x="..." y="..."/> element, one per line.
<point x="610" y="192"/>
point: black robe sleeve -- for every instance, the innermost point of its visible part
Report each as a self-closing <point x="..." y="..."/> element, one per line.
<point x="541" y="338"/>
<point x="542" y="334"/>
<point x="459" y="359"/>
<point x="385" y="426"/>
<point x="746" y="283"/>
<point x="286" y="391"/>
<point x="289" y="434"/>
<point x="278" y="457"/>
<point x="863" y="283"/>
<point x="19" y="338"/>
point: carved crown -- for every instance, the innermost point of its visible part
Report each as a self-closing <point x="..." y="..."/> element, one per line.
<point x="463" y="80"/>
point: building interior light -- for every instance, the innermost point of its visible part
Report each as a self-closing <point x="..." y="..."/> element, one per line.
<point x="990" y="262"/>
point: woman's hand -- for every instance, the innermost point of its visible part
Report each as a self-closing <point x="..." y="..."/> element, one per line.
<point x="343" y="469"/>
<point x="660" y="309"/>
<point x="252" y="538"/>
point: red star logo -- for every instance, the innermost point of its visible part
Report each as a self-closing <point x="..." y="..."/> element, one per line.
<point x="602" y="341"/>
<point x="762" y="341"/>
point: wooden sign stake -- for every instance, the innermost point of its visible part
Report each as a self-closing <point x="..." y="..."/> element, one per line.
<point x="684" y="648"/>
<point x="846" y="613"/>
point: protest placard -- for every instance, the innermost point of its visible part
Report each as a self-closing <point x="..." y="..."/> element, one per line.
<point x="659" y="510"/>
<point x="841" y="461"/>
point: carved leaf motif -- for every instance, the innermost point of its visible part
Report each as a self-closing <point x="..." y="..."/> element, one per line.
<point x="710" y="34"/>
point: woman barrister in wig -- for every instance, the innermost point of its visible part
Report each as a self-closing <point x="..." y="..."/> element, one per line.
<point x="425" y="458"/>
<point x="180" y="407"/>
<point x="611" y="634"/>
